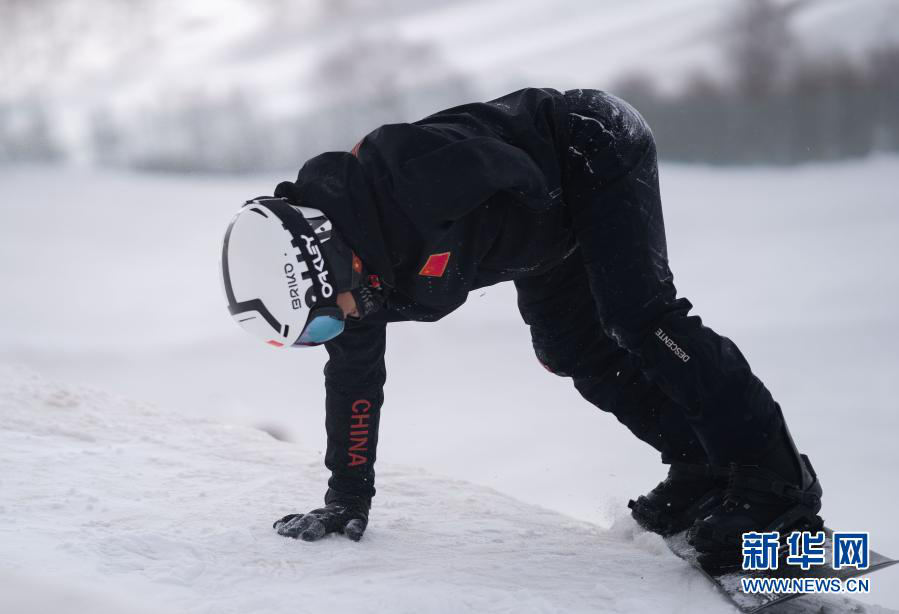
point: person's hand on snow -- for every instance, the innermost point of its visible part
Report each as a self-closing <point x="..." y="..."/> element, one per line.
<point x="347" y="517"/>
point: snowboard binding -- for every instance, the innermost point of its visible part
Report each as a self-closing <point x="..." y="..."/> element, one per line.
<point x="755" y="499"/>
<point x="690" y="491"/>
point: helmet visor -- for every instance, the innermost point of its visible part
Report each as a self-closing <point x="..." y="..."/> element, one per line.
<point x="324" y="324"/>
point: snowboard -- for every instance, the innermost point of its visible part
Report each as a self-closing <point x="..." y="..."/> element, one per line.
<point x="729" y="582"/>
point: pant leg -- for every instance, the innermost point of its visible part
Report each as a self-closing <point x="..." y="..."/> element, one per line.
<point x="613" y="191"/>
<point x="569" y="341"/>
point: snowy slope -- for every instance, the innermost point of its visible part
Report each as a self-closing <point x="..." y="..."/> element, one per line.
<point x="111" y="279"/>
<point x="110" y="505"/>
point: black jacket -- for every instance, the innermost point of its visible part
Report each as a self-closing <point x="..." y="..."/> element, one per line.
<point x="465" y="198"/>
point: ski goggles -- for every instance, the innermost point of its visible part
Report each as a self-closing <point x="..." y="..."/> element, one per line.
<point x="324" y="324"/>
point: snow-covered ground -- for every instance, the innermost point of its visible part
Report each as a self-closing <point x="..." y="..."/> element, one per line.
<point x="110" y="279"/>
<point x="114" y="506"/>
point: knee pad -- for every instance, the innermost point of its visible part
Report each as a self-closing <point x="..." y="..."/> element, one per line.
<point x="554" y="361"/>
<point x="632" y="328"/>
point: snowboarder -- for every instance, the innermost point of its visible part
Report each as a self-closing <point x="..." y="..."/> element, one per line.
<point x="558" y="193"/>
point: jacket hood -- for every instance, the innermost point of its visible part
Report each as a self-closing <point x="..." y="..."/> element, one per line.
<point x="335" y="183"/>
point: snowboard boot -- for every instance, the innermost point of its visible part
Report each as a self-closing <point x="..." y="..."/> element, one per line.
<point x="779" y="493"/>
<point x="689" y="492"/>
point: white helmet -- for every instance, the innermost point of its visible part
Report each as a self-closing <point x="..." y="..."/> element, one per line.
<point x="279" y="269"/>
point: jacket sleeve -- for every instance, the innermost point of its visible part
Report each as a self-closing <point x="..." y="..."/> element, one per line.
<point x="354" y="388"/>
<point x="438" y="174"/>
<point x="440" y="168"/>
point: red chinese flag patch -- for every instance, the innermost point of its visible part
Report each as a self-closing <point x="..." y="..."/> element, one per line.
<point x="436" y="265"/>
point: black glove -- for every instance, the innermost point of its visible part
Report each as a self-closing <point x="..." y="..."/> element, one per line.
<point x="348" y="516"/>
<point x="368" y="299"/>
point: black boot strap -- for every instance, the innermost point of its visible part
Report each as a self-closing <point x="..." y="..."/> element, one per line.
<point x="741" y="481"/>
<point x="786" y="521"/>
<point x="698" y="470"/>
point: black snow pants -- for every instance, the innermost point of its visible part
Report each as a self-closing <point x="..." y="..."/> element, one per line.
<point x="609" y="317"/>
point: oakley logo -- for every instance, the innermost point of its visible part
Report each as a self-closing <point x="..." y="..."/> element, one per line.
<point x="318" y="263"/>
<point x="674" y="347"/>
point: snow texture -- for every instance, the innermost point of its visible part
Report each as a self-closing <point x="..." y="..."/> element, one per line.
<point x="110" y="279"/>
<point x="111" y="505"/>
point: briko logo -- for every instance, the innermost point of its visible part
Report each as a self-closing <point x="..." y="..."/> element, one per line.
<point x="292" y="285"/>
<point x="318" y="263"/>
<point x="674" y="347"/>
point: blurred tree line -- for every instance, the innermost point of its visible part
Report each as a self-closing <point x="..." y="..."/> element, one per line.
<point x="357" y="87"/>
<point x="779" y="106"/>
<point x="360" y="85"/>
<point x="362" y="81"/>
